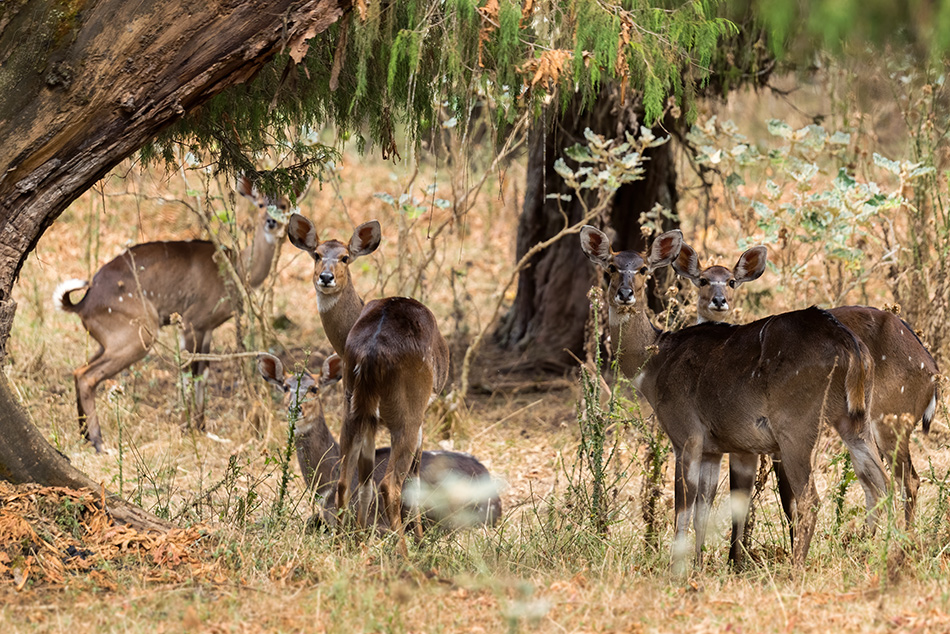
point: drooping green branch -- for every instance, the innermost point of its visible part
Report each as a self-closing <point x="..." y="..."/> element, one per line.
<point x="403" y="67"/>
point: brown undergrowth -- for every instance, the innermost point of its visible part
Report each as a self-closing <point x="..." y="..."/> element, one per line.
<point x="53" y="536"/>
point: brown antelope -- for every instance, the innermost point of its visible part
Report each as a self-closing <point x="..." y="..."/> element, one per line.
<point x="904" y="389"/>
<point x="763" y="387"/>
<point x="717" y="284"/>
<point x="457" y="490"/>
<point x="134" y="295"/>
<point x="395" y="359"/>
<point x="337" y="299"/>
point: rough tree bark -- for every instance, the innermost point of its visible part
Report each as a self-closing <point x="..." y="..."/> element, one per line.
<point x="551" y="307"/>
<point x="86" y="84"/>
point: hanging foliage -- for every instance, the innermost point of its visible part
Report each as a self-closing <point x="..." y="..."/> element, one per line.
<point x="408" y="65"/>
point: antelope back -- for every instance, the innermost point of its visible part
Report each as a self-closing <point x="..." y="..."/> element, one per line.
<point x="393" y="352"/>
<point x="904" y="372"/>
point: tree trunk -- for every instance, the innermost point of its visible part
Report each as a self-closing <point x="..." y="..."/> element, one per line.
<point x="551" y="306"/>
<point x="84" y="86"/>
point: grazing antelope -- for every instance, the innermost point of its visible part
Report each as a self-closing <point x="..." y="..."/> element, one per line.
<point x="457" y="490"/>
<point x="337" y="299"/>
<point x="716" y="388"/>
<point x="134" y="295"/>
<point x="904" y="391"/>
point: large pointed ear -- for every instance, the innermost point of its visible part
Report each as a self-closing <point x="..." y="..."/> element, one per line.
<point x="751" y="264"/>
<point x="302" y="233"/>
<point x="271" y="369"/>
<point x="245" y="187"/>
<point x="596" y="245"/>
<point x="332" y="371"/>
<point x="365" y="239"/>
<point x="687" y="264"/>
<point x="665" y="249"/>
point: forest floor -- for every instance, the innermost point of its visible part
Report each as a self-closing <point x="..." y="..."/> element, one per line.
<point x="239" y="565"/>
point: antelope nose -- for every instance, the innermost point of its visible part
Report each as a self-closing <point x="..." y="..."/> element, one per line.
<point x="326" y="278"/>
<point x="270" y="224"/>
<point x="719" y="303"/>
<point x="625" y="295"/>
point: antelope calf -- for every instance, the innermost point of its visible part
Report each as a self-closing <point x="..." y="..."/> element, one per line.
<point x="763" y="387"/>
<point x="395" y="359"/>
<point x="904" y="387"/>
<point x="456" y="490"/>
<point x="134" y="295"/>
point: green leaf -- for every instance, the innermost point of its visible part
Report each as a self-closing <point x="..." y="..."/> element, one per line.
<point x="892" y="166"/>
<point x="779" y="128"/>
<point x="844" y="181"/>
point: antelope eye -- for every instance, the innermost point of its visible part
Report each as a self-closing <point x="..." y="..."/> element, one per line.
<point x="312" y="389"/>
<point x="317" y="257"/>
<point x="643" y="270"/>
<point x="345" y="259"/>
<point x="732" y="283"/>
<point x="703" y="281"/>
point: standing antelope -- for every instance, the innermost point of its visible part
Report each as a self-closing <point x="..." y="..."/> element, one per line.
<point x="134" y="295"/>
<point x="457" y="490"/>
<point x="904" y="390"/>
<point x="763" y="387"/>
<point x="337" y="299"/>
<point x="394" y="359"/>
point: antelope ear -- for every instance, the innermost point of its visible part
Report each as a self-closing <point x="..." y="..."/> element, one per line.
<point x="332" y="370"/>
<point x="271" y="369"/>
<point x="302" y="233"/>
<point x="245" y="187"/>
<point x="751" y="264"/>
<point x="596" y="245"/>
<point x="665" y="249"/>
<point x="687" y="264"/>
<point x="365" y="239"/>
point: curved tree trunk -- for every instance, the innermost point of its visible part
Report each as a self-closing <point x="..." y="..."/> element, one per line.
<point x="84" y="86"/>
<point x="551" y="306"/>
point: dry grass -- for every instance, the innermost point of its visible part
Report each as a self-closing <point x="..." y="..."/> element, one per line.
<point x="539" y="570"/>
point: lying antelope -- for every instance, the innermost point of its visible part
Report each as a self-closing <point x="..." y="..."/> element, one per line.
<point x="904" y="388"/>
<point x="134" y="295"/>
<point x="455" y="489"/>
<point x="763" y="387"/>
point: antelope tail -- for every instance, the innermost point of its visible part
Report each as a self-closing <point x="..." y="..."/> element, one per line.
<point x="929" y="412"/>
<point x="856" y="381"/>
<point x="61" y="294"/>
